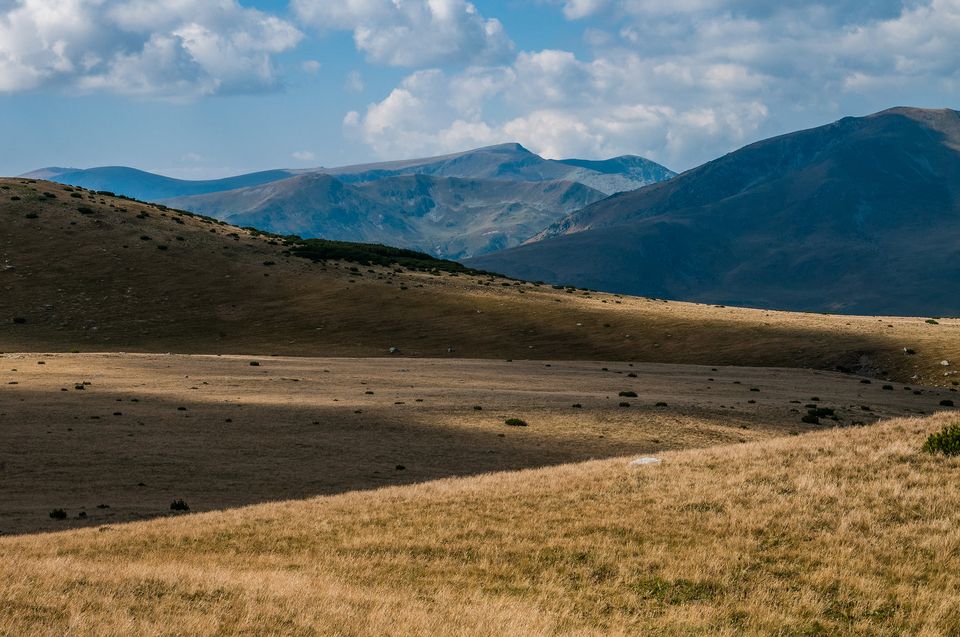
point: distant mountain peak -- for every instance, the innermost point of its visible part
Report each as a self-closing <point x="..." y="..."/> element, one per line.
<point x="861" y="215"/>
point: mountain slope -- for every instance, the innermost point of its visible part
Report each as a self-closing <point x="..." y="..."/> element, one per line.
<point x="445" y="216"/>
<point x="513" y="162"/>
<point x="862" y="215"/>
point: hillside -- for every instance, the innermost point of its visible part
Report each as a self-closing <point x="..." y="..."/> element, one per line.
<point x="87" y="272"/>
<point x="448" y="217"/>
<point x="860" y="216"/>
<point x="845" y="532"/>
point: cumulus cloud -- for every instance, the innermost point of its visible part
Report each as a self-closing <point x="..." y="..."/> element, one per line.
<point x="560" y="106"/>
<point x="303" y="155"/>
<point x="412" y="32"/>
<point x="165" y="48"/>
<point x="681" y="82"/>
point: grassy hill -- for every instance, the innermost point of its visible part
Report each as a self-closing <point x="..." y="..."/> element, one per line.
<point x="845" y="532"/>
<point x="81" y="271"/>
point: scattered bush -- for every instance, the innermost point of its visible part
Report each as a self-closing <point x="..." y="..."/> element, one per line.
<point x="946" y="403"/>
<point x="516" y="422"/>
<point x="810" y="419"/>
<point x="179" y="505"/>
<point x="85" y="210"/>
<point x="58" y="514"/>
<point x="628" y="394"/>
<point x="946" y="441"/>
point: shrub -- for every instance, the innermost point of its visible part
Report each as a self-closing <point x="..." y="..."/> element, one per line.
<point x="946" y="441"/>
<point x="946" y="403"/>
<point x="624" y="404"/>
<point x="811" y="419"/>
<point x="31" y="215"/>
<point x="58" y="514"/>
<point x="516" y="422"/>
<point x="179" y="505"/>
<point x="628" y="394"/>
<point x="85" y="210"/>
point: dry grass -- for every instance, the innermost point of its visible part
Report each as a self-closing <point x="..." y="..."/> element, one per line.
<point x="220" y="433"/>
<point x="88" y="282"/>
<point x="849" y="531"/>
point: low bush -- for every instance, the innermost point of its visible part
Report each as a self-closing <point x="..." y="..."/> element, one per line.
<point x="179" y="505"/>
<point x="58" y="514"/>
<point x="946" y="441"/>
<point x="516" y="422"/>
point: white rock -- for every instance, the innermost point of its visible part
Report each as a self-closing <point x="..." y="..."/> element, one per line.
<point x="945" y="363"/>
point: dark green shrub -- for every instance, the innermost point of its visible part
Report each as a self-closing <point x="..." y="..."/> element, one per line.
<point x="946" y="403"/>
<point x="179" y="505"/>
<point x="516" y="422"/>
<point x="628" y="394"/>
<point x="58" y="514"/>
<point x="85" y="210"/>
<point x="946" y="441"/>
<point x="811" y="419"/>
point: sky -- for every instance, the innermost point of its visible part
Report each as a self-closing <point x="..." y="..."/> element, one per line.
<point x="207" y="88"/>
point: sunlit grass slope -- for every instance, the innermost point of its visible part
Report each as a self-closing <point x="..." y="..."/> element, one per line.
<point x="846" y="532"/>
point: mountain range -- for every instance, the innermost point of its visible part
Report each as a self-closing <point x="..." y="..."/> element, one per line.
<point x="453" y="206"/>
<point x="859" y="216"/>
<point x="450" y="217"/>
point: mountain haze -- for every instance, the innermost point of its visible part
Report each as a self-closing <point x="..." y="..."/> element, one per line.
<point x="862" y="215"/>
<point x="456" y="206"/>
<point x="445" y="216"/>
<point x="147" y="186"/>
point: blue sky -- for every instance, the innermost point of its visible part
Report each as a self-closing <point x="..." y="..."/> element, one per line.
<point x="216" y="87"/>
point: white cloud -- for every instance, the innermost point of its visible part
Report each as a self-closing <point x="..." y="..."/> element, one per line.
<point x="412" y="32"/>
<point x="303" y="155"/>
<point x="311" y="66"/>
<point x="354" y="82"/>
<point x="681" y="82"/>
<point x="560" y="106"/>
<point x="165" y="48"/>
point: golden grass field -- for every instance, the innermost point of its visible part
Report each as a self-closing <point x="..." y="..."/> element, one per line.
<point x="219" y="432"/>
<point x="338" y="490"/>
<point x="842" y="532"/>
